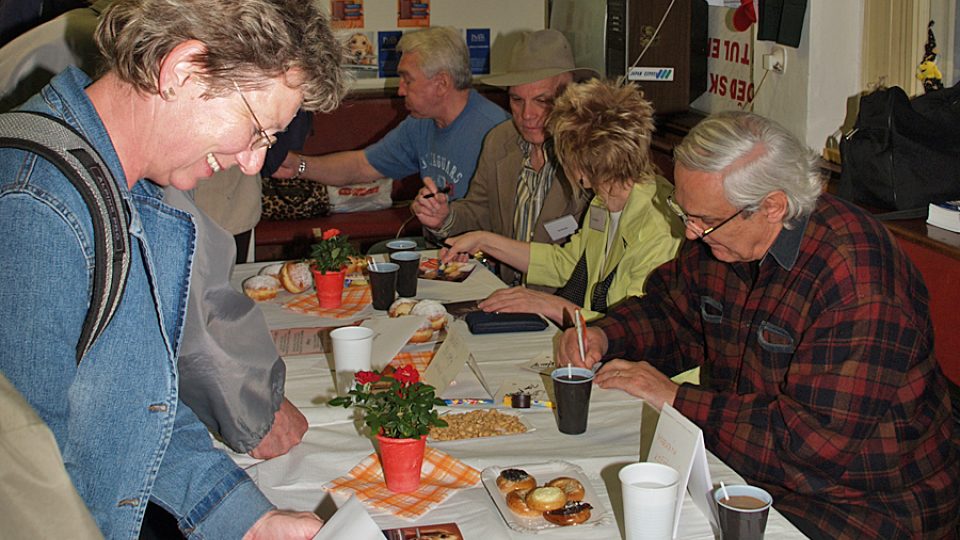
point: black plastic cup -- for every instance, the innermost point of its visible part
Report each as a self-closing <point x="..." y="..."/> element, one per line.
<point x="396" y="246"/>
<point x="571" y="388"/>
<point x="383" y="283"/>
<point x="409" y="262"/>
<point x="742" y="516"/>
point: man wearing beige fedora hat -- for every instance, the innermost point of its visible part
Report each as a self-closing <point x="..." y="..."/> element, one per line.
<point x="518" y="189"/>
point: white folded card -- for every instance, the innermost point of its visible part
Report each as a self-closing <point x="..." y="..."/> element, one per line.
<point x="678" y="442"/>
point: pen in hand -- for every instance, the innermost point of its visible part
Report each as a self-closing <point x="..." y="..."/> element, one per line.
<point x="444" y="189"/>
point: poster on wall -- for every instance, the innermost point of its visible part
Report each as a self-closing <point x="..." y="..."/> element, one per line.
<point x="478" y="44"/>
<point x="346" y="14"/>
<point x="729" y="64"/>
<point x="412" y="14"/>
<point x="361" y="56"/>
<point x="389" y="57"/>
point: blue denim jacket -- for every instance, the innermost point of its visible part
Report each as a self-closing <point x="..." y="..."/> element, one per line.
<point x="124" y="435"/>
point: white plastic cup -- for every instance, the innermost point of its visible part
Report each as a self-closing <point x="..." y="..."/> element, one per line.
<point x="352" y="347"/>
<point x="649" y="500"/>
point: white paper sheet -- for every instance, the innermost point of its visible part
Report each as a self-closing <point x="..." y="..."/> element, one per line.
<point x="392" y="335"/>
<point x="350" y="521"/>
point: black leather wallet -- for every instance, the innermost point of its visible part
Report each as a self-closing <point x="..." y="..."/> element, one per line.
<point x="482" y="322"/>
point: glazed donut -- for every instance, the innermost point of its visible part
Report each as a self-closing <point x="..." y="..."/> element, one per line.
<point x="272" y="269"/>
<point x="295" y="276"/>
<point x="401" y="307"/>
<point x="571" y="487"/>
<point x="422" y="335"/>
<point x="513" y="479"/>
<point x="546" y="498"/>
<point x="433" y="311"/>
<point x="517" y="504"/>
<point x="261" y="288"/>
<point x="572" y="513"/>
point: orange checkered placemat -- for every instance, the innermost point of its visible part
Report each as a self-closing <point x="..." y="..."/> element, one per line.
<point x="355" y="298"/>
<point x="441" y="476"/>
<point x="420" y="360"/>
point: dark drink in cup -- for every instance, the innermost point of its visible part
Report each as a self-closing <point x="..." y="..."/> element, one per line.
<point x="742" y="511"/>
<point x="409" y="262"/>
<point x="383" y="284"/>
<point x="571" y="387"/>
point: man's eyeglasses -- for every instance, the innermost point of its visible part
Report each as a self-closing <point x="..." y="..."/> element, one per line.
<point x="690" y="224"/>
<point x="263" y="139"/>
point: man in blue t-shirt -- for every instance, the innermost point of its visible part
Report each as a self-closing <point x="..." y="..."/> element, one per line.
<point x="440" y="139"/>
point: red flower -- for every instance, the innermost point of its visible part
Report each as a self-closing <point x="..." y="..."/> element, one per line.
<point x="330" y="233"/>
<point x="364" y="377"/>
<point x="407" y="375"/>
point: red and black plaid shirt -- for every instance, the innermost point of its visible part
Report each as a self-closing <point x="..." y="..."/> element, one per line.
<point x="818" y="379"/>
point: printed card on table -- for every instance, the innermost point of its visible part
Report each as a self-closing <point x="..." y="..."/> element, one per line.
<point x="300" y="341"/>
<point x="543" y="364"/>
<point x="678" y="442"/>
<point x="447" y="361"/>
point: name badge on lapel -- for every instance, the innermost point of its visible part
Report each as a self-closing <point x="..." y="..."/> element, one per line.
<point x="598" y="218"/>
<point x="562" y="227"/>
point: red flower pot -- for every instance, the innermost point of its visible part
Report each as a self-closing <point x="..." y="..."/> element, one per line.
<point x="401" y="460"/>
<point x="329" y="287"/>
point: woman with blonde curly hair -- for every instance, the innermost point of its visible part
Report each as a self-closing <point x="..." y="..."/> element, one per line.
<point x="601" y="132"/>
<point x="189" y="87"/>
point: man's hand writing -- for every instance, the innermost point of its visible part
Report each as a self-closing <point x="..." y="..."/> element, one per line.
<point x="568" y="352"/>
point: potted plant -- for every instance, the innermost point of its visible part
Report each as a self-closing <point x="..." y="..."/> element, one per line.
<point x="400" y="410"/>
<point x="330" y="258"/>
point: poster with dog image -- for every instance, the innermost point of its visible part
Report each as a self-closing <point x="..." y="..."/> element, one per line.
<point x="361" y="53"/>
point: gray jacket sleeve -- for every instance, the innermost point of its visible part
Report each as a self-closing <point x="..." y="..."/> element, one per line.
<point x="231" y="375"/>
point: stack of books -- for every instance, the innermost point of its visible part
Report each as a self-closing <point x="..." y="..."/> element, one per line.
<point x="945" y="215"/>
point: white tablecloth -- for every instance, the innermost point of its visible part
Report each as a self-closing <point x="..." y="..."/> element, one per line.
<point x="332" y="445"/>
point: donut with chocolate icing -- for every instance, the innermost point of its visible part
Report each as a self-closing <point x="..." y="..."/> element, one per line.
<point x="572" y="513"/>
<point x="513" y="479"/>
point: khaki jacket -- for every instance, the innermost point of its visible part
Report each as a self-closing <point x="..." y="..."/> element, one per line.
<point x="492" y="197"/>
<point x="37" y="498"/>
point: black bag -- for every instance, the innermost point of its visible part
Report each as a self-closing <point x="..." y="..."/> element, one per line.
<point x="903" y="154"/>
<point x="294" y="198"/>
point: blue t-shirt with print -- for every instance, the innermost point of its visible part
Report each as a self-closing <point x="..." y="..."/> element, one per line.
<point x="448" y="155"/>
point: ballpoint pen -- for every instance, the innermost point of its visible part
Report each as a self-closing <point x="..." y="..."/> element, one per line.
<point x="444" y="189"/>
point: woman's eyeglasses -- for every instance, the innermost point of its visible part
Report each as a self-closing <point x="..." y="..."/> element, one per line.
<point x="263" y="139"/>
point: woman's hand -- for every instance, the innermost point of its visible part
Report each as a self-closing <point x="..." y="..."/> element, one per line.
<point x="638" y="379"/>
<point x="284" y="524"/>
<point x="459" y="248"/>
<point x="524" y="300"/>
<point x="431" y="205"/>
<point x="568" y="351"/>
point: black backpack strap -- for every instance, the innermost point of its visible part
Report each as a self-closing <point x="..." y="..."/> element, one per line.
<point x="57" y="142"/>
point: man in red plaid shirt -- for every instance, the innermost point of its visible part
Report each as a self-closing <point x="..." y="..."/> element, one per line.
<point x="812" y="331"/>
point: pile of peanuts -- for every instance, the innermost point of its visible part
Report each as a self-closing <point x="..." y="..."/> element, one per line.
<point x="479" y="423"/>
